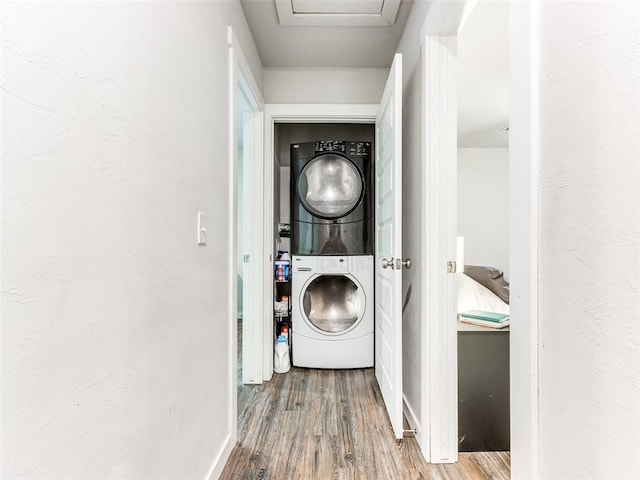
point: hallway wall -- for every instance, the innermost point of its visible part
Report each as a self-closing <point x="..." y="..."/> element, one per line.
<point x="589" y="239"/>
<point x="585" y="114"/>
<point x="324" y="85"/>
<point x="115" y="328"/>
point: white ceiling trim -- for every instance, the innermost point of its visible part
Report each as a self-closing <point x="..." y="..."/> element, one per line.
<point x="289" y="17"/>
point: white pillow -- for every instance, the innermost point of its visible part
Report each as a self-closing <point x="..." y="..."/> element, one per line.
<point x="473" y="296"/>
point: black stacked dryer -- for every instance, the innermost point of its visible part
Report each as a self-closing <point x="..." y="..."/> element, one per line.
<point x="331" y="198"/>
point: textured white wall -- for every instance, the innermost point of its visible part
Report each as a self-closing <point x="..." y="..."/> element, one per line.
<point x="589" y="239"/>
<point x="483" y="205"/>
<point x="413" y="212"/>
<point x="324" y="85"/>
<point x="115" y="359"/>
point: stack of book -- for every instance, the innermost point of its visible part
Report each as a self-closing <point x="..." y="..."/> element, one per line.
<point x="485" y="319"/>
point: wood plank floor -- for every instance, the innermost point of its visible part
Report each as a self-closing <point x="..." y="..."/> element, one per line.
<point x="331" y="424"/>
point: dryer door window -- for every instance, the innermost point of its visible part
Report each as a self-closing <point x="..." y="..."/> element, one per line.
<point x="330" y="186"/>
<point x="333" y="303"/>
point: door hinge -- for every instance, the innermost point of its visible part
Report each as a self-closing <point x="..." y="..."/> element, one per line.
<point x="451" y="266"/>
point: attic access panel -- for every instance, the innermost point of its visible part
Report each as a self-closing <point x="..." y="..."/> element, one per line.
<point x="337" y="13"/>
<point x="357" y="7"/>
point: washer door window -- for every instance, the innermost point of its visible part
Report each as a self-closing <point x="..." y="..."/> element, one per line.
<point x="333" y="304"/>
<point x="330" y="186"/>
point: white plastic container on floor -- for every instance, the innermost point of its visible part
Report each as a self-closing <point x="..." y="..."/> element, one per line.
<point x="281" y="362"/>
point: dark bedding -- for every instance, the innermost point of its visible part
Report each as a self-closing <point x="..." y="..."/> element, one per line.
<point x="489" y="277"/>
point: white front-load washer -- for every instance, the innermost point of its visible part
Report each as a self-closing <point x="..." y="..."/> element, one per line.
<point x="332" y="311"/>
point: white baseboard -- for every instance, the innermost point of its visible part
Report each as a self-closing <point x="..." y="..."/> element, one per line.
<point x="410" y="414"/>
<point x="421" y="437"/>
<point x="221" y="458"/>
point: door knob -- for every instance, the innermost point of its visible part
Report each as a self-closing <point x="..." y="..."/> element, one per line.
<point x="387" y="263"/>
<point x="406" y="264"/>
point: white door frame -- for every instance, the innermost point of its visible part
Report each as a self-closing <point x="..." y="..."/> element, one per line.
<point x="293" y="113"/>
<point x="439" y="145"/>
<point x="523" y="237"/>
<point x="242" y="82"/>
<point x="439" y="336"/>
<point x="439" y="382"/>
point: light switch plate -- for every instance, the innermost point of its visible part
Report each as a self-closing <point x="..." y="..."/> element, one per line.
<point x="202" y="228"/>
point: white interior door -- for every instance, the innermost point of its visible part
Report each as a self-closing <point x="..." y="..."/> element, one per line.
<point x="250" y="243"/>
<point x="388" y="258"/>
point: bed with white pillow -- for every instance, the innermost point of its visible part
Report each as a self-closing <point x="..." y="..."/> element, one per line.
<point x="472" y="295"/>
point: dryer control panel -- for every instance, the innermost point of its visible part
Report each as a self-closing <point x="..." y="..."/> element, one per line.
<point x="331" y="146"/>
<point x="359" y="149"/>
<point x="353" y="149"/>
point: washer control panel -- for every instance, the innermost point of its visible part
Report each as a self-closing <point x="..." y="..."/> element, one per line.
<point x="361" y="264"/>
<point x="315" y="264"/>
<point x="333" y="265"/>
<point x="357" y="264"/>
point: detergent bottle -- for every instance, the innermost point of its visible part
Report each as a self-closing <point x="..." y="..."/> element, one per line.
<point x="281" y="362"/>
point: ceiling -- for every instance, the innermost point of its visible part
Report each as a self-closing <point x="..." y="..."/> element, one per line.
<point x="322" y="46"/>
<point x="482" y="52"/>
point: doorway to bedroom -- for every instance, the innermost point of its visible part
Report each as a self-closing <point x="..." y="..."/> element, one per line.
<point x="483" y="230"/>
